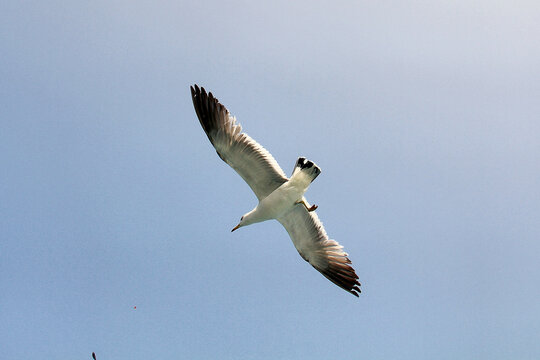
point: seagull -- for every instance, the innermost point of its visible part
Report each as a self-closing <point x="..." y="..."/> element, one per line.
<point x="280" y="198"/>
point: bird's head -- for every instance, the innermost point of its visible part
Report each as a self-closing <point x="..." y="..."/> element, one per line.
<point x="245" y="220"/>
<point x="240" y="224"/>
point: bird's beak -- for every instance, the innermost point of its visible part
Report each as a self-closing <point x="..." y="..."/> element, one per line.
<point x="236" y="227"/>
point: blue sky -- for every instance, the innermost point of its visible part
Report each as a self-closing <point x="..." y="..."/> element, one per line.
<point x="423" y="115"/>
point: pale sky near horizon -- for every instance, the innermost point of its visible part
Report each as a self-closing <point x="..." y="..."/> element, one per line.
<point x="115" y="211"/>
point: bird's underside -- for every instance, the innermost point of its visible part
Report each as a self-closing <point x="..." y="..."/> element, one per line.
<point x="264" y="175"/>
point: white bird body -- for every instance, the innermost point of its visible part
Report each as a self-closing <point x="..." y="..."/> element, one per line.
<point x="279" y="197"/>
<point x="280" y="201"/>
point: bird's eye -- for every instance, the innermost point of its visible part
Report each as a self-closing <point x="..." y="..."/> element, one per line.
<point x="242" y="218"/>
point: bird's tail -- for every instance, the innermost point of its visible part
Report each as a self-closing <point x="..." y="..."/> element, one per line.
<point x="305" y="170"/>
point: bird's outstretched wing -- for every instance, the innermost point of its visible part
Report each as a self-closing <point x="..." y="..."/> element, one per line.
<point x="324" y="254"/>
<point x="252" y="161"/>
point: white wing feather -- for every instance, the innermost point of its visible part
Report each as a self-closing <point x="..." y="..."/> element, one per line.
<point x="251" y="161"/>
<point x="324" y="254"/>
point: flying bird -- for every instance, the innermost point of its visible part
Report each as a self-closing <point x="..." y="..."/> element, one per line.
<point x="280" y="198"/>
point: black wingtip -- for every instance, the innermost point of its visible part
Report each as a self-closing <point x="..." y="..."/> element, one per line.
<point x="200" y="92"/>
<point x="196" y="90"/>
